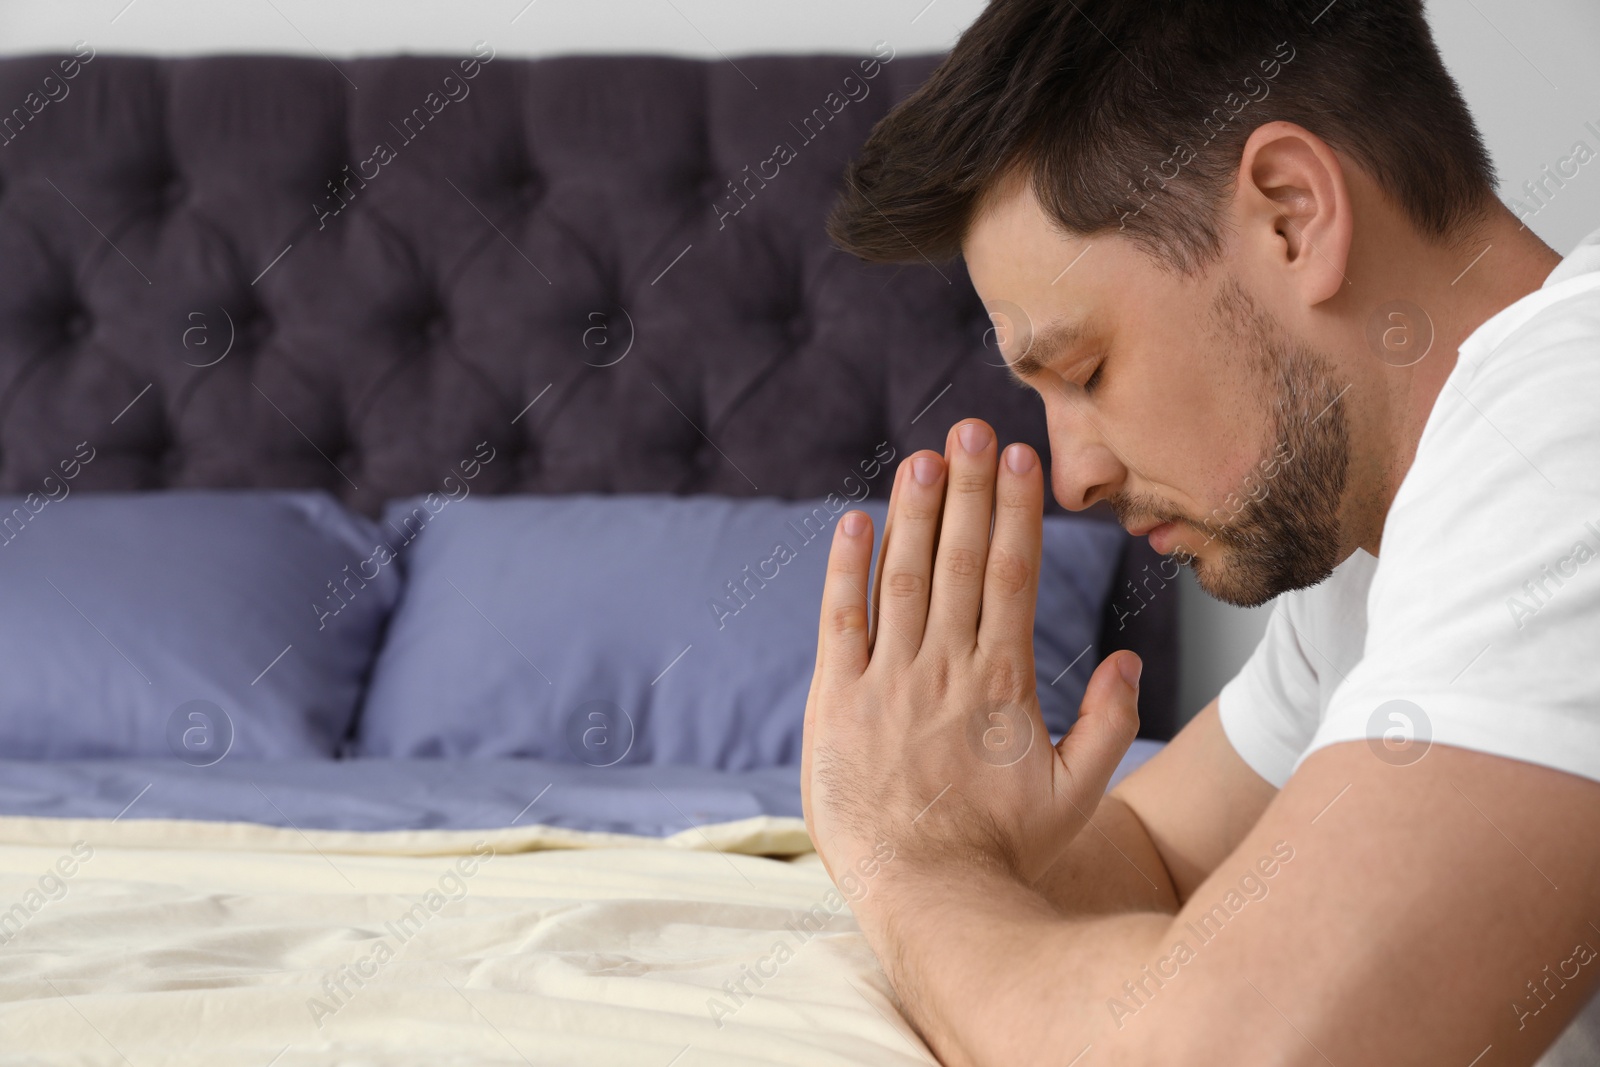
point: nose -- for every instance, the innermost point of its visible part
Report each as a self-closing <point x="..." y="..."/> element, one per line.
<point x="1083" y="468"/>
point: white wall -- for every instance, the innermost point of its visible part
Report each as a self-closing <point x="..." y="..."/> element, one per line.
<point x="544" y="27"/>
<point x="1527" y="70"/>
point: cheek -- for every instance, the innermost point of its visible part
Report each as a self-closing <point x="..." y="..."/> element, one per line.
<point x="1192" y="433"/>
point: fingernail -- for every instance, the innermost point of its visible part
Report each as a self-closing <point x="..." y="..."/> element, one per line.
<point x="1131" y="667"/>
<point x="1020" y="459"/>
<point x="973" y="437"/>
<point x="926" y="469"/>
<point x="854" y="523"/>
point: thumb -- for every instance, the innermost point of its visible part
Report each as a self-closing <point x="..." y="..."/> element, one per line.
<point x="1108" y="721"/>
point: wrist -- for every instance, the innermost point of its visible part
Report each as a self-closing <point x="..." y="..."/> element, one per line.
<point x="923" y="890"/>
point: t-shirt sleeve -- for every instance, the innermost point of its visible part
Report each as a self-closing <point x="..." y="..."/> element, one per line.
<point x="1483" y="622"/>
<point x="1269" y="710"/>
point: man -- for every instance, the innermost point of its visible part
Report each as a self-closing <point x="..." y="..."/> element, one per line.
<point x="1255" y="269"/>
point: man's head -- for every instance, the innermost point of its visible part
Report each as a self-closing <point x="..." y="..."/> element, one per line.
<point x="1186" y="215"/>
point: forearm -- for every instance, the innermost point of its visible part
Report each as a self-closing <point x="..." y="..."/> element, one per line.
<point x="1112" y="867"/>
<point x="992" y="973"/>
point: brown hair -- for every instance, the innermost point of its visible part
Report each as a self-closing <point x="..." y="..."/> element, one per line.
<point x="1133" y="114"/>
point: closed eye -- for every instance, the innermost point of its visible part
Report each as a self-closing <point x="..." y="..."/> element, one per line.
<point x="1094" y="379"/>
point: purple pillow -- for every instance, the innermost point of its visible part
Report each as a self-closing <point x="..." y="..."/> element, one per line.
<point x="196" y="624"/>
<point x="648" y="629"/>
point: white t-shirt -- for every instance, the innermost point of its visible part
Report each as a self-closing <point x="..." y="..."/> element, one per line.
<point x="1479" y="625"/>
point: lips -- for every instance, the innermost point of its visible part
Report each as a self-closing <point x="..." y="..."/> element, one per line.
<point x="1161" y="535"/>
<point x="1158" y="532"/>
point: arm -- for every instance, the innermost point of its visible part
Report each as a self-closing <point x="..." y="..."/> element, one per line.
<point x="1163" y="829"/>
<point x="1371" y="943"/>
<point x="1335" y="930"/>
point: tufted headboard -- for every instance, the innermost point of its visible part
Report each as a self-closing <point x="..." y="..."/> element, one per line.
<point x="273" y="271"/>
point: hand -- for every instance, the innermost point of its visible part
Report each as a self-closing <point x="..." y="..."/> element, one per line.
<point x="923" y="733"/>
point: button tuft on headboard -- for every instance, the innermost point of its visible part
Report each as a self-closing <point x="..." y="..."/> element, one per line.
<point x="76" y="324"/>
<point x="254" y="327"/>
<point x="799" y="328"/>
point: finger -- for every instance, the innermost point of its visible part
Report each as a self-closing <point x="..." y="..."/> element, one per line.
<point x="1108" y="721"/>
<point x="1011" y="574"/>
<point x="883" y="545"/>
<point x="907" y="566"/>
<point x="963" y="535"/>
<point x="842" y="629"/>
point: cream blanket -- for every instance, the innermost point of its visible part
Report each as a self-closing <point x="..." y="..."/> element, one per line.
<point x="155" y="942"/>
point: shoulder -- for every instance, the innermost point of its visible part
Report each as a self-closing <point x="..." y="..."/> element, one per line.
<point x="1482" y="586"/>
<point x="1535" y="372"/>
<point x="1513" y="434"/>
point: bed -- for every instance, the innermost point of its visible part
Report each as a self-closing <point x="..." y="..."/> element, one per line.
<point x="398" y="664"/>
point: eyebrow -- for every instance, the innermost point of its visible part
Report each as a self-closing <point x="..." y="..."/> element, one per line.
<point x="1045" y="348"/>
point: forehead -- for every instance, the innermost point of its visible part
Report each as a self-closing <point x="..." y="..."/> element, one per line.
<point x="1011" y="238"/>
<point x="1058" y="288"/>
<point x="1037" y="282"/>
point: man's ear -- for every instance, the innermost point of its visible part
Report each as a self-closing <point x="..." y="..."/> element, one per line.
<point x="1292" y="206"/>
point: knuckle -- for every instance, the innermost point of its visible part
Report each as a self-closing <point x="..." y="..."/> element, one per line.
<point x="919" y="512"/>
<point x="1009" y="573"/>
<point x="848" y="619"/>
<point x="1013" y="499"/>
<point x="1006" y="681"/>
<point x="962" y="563"/>
<point x="906" y="585"/>
<point x="970" y="482"/>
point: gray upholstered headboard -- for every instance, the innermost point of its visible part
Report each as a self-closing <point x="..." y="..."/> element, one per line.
<point x="271" y="271"/>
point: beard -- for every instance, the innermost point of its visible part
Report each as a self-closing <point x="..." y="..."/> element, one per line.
<point x="1282" y="530"/>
